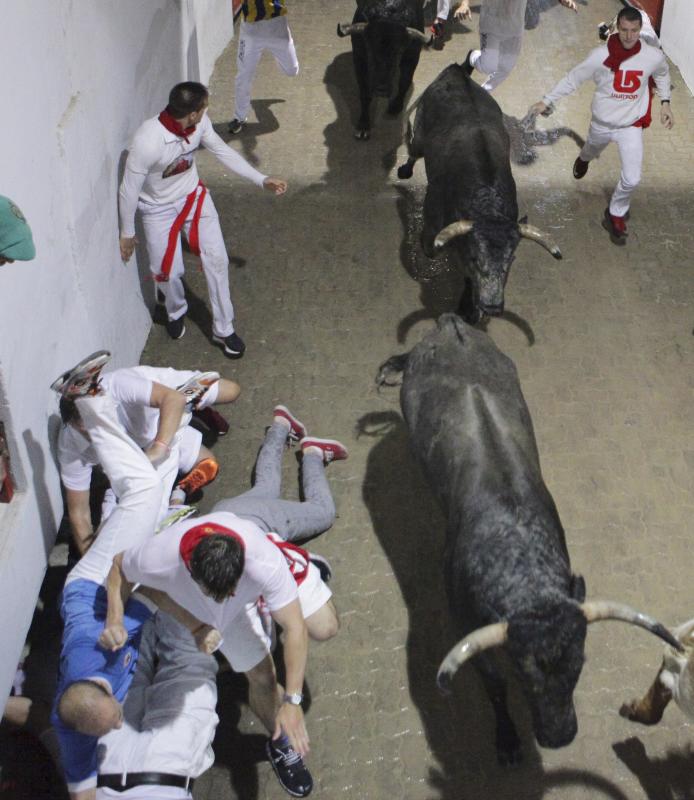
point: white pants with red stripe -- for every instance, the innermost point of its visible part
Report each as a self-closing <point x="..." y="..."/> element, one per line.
<point x="255" y="38"/>
<point x="157" y="222"/>
<point x="630" y="143"/>
<point x="496" y="58"/>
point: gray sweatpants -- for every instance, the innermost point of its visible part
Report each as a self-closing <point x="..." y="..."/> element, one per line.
<point x="290" y="519"/>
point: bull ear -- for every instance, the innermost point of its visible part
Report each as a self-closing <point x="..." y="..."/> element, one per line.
<point x="577" y="588"/>
<point x="523" y="220"/>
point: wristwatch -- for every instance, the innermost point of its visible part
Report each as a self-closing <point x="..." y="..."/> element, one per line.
<point x="294" y="699"/>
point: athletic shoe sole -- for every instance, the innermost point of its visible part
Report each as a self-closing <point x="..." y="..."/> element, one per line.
<point x="196" y="387"/>
<point x="80" y="380"/>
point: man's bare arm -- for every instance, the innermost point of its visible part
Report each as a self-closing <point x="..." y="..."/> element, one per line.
<point x="114" y="635"/>
<point x="80" y="516"/>
<point x="171" y="405"/>
<point x="290" y="718"/>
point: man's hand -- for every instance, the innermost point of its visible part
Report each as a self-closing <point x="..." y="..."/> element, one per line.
<point x="569" y="4"/>
<point x="275" y="185"/>
<point x="207" y="639"/>
<point x="113" y="637"/>
<point x="290" y="719"/>
<point x="157" y="453"/>
<point x="127" y="247"/>
<point x="666" y="116"/>
<point x="463" y="11"/>
<point x="539" y="108"/>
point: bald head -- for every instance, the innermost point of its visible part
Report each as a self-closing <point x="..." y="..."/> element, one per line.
<point x="88" y="707"/>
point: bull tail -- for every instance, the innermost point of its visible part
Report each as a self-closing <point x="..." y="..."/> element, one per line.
<point x="390" y="368"/>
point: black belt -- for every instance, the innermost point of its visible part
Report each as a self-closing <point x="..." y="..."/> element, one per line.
<point x="133" y="779"/>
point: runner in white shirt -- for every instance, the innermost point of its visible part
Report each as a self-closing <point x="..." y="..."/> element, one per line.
<point x="232" y="570"/>
<point x="161" y="180"/>
<point x="501" y="35"/>
<point x="153" y="414"/>
<point x="622" y="70"/>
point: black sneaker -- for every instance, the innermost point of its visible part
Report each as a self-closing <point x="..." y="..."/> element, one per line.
<point x="322" y="565"/>
<point x="580" y="168"/>
<point x="233" y="344"/>
<point x="467" y="65"/>
<point x="236" y="125"/>
<point x="176" y="328"/>
<point x="290" y="769"/>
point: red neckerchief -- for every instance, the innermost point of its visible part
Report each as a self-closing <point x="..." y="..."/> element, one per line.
<point x="646" y="119"/>
<point x="192" y="537"/>
<point x="296" y="557"/>
<point x="173" y="125"/>
<point x="618" y="53"/>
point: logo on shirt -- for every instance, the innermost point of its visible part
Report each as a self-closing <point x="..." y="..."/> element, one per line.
<point x="627" y="80"/>
<point x="181" y="164"/>
<point x="127" y="658"/>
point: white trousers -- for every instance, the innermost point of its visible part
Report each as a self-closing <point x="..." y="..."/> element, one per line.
<point x="272" y="35"/>
<point x="169" y="713"/>
<point x="496" y="58"/>
<point x="157" y="222"/>
<point x="134" y="481"/>
<point x="630" y="144"/>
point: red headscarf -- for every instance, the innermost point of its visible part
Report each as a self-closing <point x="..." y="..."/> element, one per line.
<point x="193" y="536"/>
<point x="173" y="125"/>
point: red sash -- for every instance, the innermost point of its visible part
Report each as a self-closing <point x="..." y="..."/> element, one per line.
<point x="174" y="233"/>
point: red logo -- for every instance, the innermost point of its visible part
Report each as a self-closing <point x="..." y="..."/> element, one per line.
<point x="627" y="81"/>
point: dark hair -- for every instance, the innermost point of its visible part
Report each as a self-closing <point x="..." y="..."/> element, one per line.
<point x="630" y="14"/>
<point x="187" y="97"/>
<point x="217" y="564"/>
<point x="68" y="411"/>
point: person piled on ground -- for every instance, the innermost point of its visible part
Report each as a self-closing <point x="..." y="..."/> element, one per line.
<point x="161" y="181"/>
<point x="169" y="719"/>
<point x="93" y="681"/>
<point x="624" y="70"/>
<point x="264" y="27"/>
<point x="16" y="242"/>
<point x="237" y="569"/>
<point x="502" y="23"/>
<point x="154" y="405"/>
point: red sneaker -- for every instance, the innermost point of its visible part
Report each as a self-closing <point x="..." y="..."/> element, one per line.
<point x="213" y="420"/>
<point x="297" y="429"/>
<point x="331" y="448"/>
<point x="616" y="227"/>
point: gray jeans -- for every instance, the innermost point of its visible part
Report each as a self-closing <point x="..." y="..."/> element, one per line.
<point x="290" y="519"/>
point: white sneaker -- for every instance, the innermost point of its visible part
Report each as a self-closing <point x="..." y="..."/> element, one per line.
<point x="195" y="388"/>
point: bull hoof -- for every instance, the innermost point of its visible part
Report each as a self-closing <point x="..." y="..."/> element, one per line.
<point x="362" y="134"/>
<point x="405" y="171"/>
<point x="509" y="754"/>
<point x="394" y="107"/>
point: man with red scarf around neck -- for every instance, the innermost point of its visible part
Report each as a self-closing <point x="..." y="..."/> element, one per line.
<point x="161" y="182"/>
<point x="625" y="70"/>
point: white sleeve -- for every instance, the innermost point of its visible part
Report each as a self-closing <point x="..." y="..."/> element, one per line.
<point x="443" y="8"/>
<point x="661" y="76"/>
<point x="648" y="34"/>
<point x="141" y="159"/>
<point x="578" y="75"/>
<point x="230" y="158"/>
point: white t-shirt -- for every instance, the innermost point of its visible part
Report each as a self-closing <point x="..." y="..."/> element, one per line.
<point x="131" y="388"/>
<point x="621" y="97"/>
<point x="161" y="169"/>
<point x="158" y="564"/>
<point x="502" y="18"/>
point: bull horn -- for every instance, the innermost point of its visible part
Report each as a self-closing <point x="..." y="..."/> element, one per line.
<point x="531" y="232"/>
<point x="481" y="639"/>
<point x="459" y="228"/>
<point x="350" y="28"/>
<point x="424" y="38"/>
<point x="597" y="610"/>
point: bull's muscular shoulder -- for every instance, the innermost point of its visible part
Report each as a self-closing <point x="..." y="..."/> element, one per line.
<point x="405" y="11"/>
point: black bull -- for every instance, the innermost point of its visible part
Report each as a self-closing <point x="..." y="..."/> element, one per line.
<point x="507" y="571"/>
<point x="387" y="38"/>
<point x="470" y="202"/>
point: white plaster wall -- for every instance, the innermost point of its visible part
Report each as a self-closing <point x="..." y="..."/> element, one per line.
<point x="677" y="37"/>
<point x="78" y="78"/>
